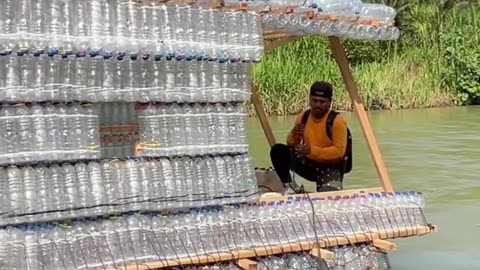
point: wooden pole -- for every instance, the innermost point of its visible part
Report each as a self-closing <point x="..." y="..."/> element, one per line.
<point x="257" y="102"/>
<point x="280" y="42"/>
<point x="342" y="62"/>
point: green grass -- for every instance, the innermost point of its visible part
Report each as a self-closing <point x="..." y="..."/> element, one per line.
<point x="284" y="78"/>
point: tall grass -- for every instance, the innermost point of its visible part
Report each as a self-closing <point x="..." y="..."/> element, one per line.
<point x="413" y="72"/>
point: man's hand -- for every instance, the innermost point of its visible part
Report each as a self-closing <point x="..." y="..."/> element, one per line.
<point x="303" y="149"/>
<point x="298" y="130"/>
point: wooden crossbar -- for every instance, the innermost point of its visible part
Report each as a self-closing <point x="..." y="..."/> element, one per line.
<point x="285" y="248"/>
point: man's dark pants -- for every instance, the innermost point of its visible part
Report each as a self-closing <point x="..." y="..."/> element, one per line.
<point x="284" y="159"/>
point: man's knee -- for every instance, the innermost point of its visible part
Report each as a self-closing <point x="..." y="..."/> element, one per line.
<point x="279" y="150"/>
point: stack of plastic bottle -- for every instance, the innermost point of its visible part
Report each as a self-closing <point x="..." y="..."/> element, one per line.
<point x="193" y="129"/>
<point x="122" y="27"/>
<point x="30" y="78"/>
<point x="48" y="132"/>
<point x="117" y="241"/>
<point x="44" y="192"/>
<point x="351" y="19"/>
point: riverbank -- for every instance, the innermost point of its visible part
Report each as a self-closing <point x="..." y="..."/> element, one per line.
<point x="433" y="64"/>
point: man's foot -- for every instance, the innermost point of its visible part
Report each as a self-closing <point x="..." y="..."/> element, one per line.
<point x="292" y="188"/>
<point x="289" y="191"/>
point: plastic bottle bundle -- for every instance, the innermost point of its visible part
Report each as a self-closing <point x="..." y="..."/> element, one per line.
<point x="53" y="192"/>
<point x="301" y="25"/>
<point x="128" y="27"/>
<point x="292" y="261"/>
<point x="359" y="257"/>
<point x="31" y="78"/>
<point x="193" y="129"/>
<point x="47" y="132"/>
<point x="218" y="266"/>
<point x="211" y="230"/>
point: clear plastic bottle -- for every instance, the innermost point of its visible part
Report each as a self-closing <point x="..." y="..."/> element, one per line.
<point x="145" y="179"/>
<point x="10" y="144"/>
<point x="132" y="185"/>
<point x="169" y="181"/>
<point x="177" y="125"/>
<point x="233" y="133"/>
<point x="51" y="130"/>
<point x="212" y="129"/>
<point x="199" y="129"/>
<point x="84" y="185"/>
<point x="158" y="80"/>
<point x="70" y="183"/>
<point x="204" y="84"/>
<point x="17" y="192"/>
<point x="212" y="183"/>
<point x="149" y="130"/>
<point x="157" y="188"/>
<point x="5" y="239"/>
<point x="79" y="77"/>
<point x="24" y="134"/>
<point x="40" y="133"/>
<point x="44" y="196"/>
<point x="12" y="82"/>
<point x="31" y="192"/>
<point x="241" y="128"/>
<point x="92" y="130"/>
<point x="119" y="171"/>
<point x="77" y="125"/>
<point x="32" y="248"/>
<point x="222" y="127"/>
<point x="97" y="25"/>
<point x="170" y="79"/>
<point x="190" y="135"/>
<point x="65" y="138"/>
<point x="26" y="77"/>
<point x="107" y="243"/>
<point x="98" y="189"/>
<point x="94" y="79"/>
<point x="4" y="193"/>
<point x="57" y="187"/>
<point x="37" y="28"/>
<point x="133" y="227"/>
<point x="109" y="185"/>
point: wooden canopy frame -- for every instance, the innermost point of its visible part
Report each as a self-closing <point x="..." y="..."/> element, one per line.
<point x="342" y="62"/>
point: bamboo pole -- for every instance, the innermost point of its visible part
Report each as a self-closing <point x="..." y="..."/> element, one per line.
<point x="257" y="102"/>
<point x="342" y="62"/>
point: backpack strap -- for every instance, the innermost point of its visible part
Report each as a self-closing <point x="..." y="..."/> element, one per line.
<point x="330" y="119"/>
<point x="305" y="117"/>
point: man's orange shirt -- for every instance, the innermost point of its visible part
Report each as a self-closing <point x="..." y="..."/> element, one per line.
<point x="322" y="148"/>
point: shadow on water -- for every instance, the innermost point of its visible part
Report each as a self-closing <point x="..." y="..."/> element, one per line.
<point x="435" y="151"/>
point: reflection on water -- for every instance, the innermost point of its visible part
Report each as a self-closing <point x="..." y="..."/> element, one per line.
<point x="436" y="151"/>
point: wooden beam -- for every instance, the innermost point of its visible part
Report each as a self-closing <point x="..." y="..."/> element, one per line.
<point x="384" y="245"/>
<point x="257" y="102"/>
<point x="277" y="197"/>
<point x="247" y="264"/>
<point x="342" y="62"/>
<point x="321" y="253"/>
<point x="339" y="240"/>
<point x="280" y="42"/>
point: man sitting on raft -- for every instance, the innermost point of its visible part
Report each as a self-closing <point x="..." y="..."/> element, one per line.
<point x="316" y="146"/>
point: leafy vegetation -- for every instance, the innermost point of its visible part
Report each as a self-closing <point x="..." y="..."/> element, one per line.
<point x="436" y="62"/>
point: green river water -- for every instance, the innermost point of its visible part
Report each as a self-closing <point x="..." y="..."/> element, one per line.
<point x="435" y="151"/>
